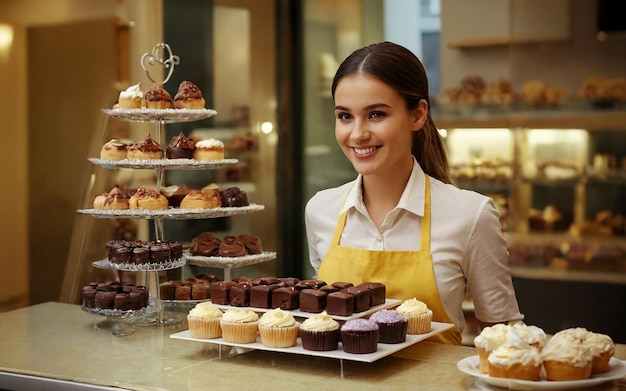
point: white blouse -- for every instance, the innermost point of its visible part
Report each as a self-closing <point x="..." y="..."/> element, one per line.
<point x="467" y="245"/>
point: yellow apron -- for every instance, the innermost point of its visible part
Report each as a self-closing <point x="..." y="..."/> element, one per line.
<point x="406" y="274"/>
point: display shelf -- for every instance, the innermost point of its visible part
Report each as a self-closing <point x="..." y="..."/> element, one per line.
<point x="165" y="164"/>
<point x="160" y="115"/>
<point x="227" y="263"/>
<point x="141" y="267"/>
<point x="172" y="213"/>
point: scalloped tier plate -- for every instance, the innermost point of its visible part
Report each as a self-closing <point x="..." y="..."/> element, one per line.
<point x="165" y="164"/>
<point x="171" y="213"/>
<point x="469" y="365"/>
<point x="383" y="350"/>
<point x="134" y="267"/>
<point x="225" y="262"/>
<point x="165" y="115"/>
<point x="120" y="313"/>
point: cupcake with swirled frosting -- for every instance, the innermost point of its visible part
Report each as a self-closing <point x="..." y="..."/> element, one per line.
<point x="320" y="332"/>
<point x="239" y="325"/>
<point x="278" y="329"/>
<point x="418" y="314"/>
<point x="204" y="321"/>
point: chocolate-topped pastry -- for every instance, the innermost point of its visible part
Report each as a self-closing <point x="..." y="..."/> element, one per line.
<point x="188" y="96"/>
<point x="286" y="298"/>
<point x="156" y="97"/>
<point x="289" y="281"/>
<point x="114" y="150"/>
<point x="340" y="304"/>
<point x="147" y="148"/>
<point x="205" y="245"/>
<point x="183" y="292"/>
<point x="362" y="297"/>
<point x="104" y="299"/>
<point x="231" y="247"/>
<point x="261" y="295"/>
<point x="180" y="147"/>
<point x="342" y="284"/>
<point x="240" y="294"/>
<point x="200" y="291"/>
<point x="175" y="194"/>
<point x="167" y="290"/>
<point x="329" y="288"/>
<point x="159" y="252"/>
<point x="89" y="296"/>
<point x="122" y="301"/>
<point x="207" y="277"/>
<point x="252" y="243"/>
<point x="306" y="284"/>
<point x="265" y="280"/>
<point x="220" y="292"/>
<point x="141" y="255"/>
<point x="121" y="255"/>
<point x="176" y="249"/>
<point x="234" y="196"/>
<point x="312" y="300"/>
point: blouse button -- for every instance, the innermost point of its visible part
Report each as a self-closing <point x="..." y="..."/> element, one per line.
<point x="379" y="238"/>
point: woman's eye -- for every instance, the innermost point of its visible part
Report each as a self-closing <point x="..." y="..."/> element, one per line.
<point x="378" y="114"/>
<point x="343" y="116"/>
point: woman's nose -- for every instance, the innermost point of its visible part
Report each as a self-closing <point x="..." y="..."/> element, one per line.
<point x="359" y="131"/>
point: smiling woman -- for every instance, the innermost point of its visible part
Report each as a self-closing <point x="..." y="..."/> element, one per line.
<point x="401" y="222"/>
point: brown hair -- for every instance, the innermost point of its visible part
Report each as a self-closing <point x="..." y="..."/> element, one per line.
<point x="402" y="70"/>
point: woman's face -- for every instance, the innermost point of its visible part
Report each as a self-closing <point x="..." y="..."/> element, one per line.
<point x="373" y="126"/>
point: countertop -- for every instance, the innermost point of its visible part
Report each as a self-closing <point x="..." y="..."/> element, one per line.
<point x="60" y="342"/>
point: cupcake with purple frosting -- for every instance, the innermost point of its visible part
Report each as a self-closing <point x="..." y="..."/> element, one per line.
<point x="392" y="326"/>
<point x="359" y="336"/>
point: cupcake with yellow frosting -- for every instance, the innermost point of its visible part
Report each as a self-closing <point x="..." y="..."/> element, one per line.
<point x="239" y="325"/>
<point x="418" y="315"/>
<point x="278" y="329"/>
<point x="320" y="333"/>
<point x="204" y="321"/>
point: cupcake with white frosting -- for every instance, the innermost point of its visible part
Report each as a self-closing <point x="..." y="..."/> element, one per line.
<point x="278" y="329"/>
<point x="566" y="356"/>
<point x="239" y="325"/>
<point x="320" y="333"/>
<point x="418" y="315"/>
<point x="204" y="321"/>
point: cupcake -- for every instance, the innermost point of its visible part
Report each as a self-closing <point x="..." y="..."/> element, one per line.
<point x="239" y="325"/>
<point x="515" y="361"/>
<point x="602" y="349"/>
<point x="418" y="314"/>
<point x="533" y="335"/>
<point x="204" y="321"/>
<point x="566" y="356"/>
<point x="489" y="339"/>
<point x="319" y="333"/>
<point x="359" y="336"/>
<point x="392" y="326"/>
<point x="278" y="329"/>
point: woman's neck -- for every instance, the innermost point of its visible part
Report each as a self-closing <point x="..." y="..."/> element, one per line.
<point x="382" y="192"/>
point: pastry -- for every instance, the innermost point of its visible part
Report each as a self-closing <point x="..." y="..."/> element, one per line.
<point x="566" y="356"/>
<point x="261" y="295"/>
<point x="359" y="336"/>
<point x="156" y="97"/>
<point x="210" y="149"/>
<point x="231" y="247"/>
<point x="489" y="339"/>
<point x="115" y="199"/>
<point x="419" y="315"/>
<point x="204" y="321"/>
<point x="220" y="291"/>
<point x="199" y="199"/>
<point x="113" y="150"/>
<point x="188" y="96"/>
<point x="312" y="300"/>
<point x="392" y="326"/>
<point x="130" y="98"/>
<point x="234" y="197"/>
<point x="146" y="149"/>
<point x="340" y="304"/>
<point x="251" y="243"/>
<point x="532" y="335"/>
<point x="602" y="349"/>
<point x="286" y="298"/>
<point x="147" y="199"/>
<point x="515" y="362"/>
<point x="239" y="325"/>
<point x="319" y="333"/>
<point x="205" y="245"/>
<point x="240" y="294"/>
<point x="278" y="329"/>
<point x="180" y="147"/>
<point x="361" y="297"/>
<point x="378" y="292"/>
<point x="175" y="194"/>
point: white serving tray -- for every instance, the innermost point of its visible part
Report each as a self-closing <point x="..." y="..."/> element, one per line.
<point x="469" y="365"/>
<point x="301" y="314"/>
<point x="384" y="350"/>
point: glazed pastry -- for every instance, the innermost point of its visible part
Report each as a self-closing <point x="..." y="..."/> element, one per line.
<point x="180" y="147"/>
<point x="148" y="199"/>
<point x="188" y="96"/>
<point x="175" y="194"/>
<point x="145" y="149"/>
<point x="234" y="196"/>
<point x="210" y="149"/>
<point x="199" y="199"/>
<point x="130" y="98"/>
<point x="114" y="150"/>
<point x="205" y="245"/>
<point x="157" y="98"/>
<point x="252" y="243"/>
<point x="231" y="247"/>
<point x="116" y="199"/>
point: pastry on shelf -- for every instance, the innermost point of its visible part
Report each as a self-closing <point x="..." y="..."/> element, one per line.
<point x="131" y="98"/>
<point x="188" y="96"/>
<point x="180" y="147"/>
<point x="538" y="93"/>
<point x="114" y="150"/>
<point x="149" y="199"/>
<point x="115" y="199"/>
<point x="201" y="199"/>
<point x="157" y="97"/>
<point x="146" y="149"/>
<point x="209" y="149"/>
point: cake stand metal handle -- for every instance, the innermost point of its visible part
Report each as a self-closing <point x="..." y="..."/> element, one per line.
<point x="162" y="55"/>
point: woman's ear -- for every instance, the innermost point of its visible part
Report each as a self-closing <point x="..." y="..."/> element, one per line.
<point x="420" y="114"/>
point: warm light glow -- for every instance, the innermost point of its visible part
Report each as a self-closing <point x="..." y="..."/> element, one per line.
<point x="267" y="127"/>
<point x="6" y="37"/>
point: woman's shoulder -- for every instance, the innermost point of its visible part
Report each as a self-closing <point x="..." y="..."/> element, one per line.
<point x="456" y="195"/>
<point x="329" y="197"/>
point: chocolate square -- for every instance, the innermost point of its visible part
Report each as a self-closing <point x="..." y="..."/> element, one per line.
<point x="342" y="284"/>
<point x="220" y="292"/>
<point x="200" y="291"/>
<point x="362" y="297"/>
<point x="312" y="300"/>
<point x="261" y="296"/>
<point x="340" y="304"/>
<point x="286" y="298"/>
<point x="378" y="292"/>
<point x="240" y="294"/>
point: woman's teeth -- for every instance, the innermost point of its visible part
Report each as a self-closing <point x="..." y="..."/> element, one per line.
<point x="363" y="151"/>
